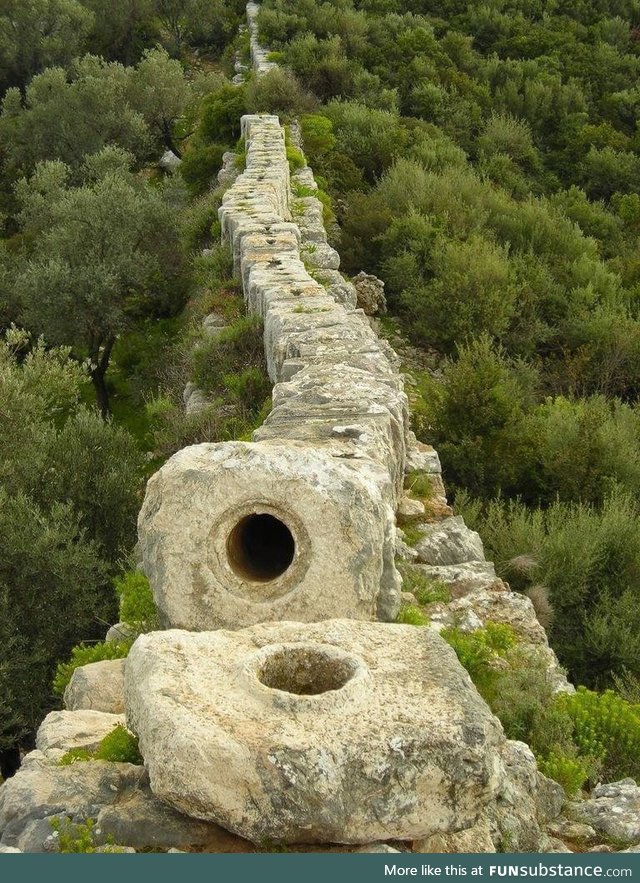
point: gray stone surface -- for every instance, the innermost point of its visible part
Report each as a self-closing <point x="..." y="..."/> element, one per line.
<point x="612" y="809"/>
<point x="142" y="821"/>
<point x="169" y="162"/>
<point x="449" y="542"/>
<point x="42" y="788"/>
<point x="525" y="802"/>
<point x="97" y="686"/>
<point x="314" y="733"/>
<point x="370" y="293"/>
<point x="63" y="730"/>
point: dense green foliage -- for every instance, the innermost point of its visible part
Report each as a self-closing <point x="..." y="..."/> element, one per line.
<point x="137" y="607"/>
<point x="578" y="738"/>
<point x="59" y="549"/>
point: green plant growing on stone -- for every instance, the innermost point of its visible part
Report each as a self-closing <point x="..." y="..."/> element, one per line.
<point x="137" y="607"/>
<point x="478" y="650"/>
<point x="301" y="190"/>
<point x="419" y="484"/>
<point x="83" y="654"/>
<point x="425" y="590"/>
<point x="118" y="746"/>
<point x="412" y="533"/>
<point x="569" y="771"/>
<point x="295" y="158"/>
<point x="410" y="614"/>
<point x="74" y="836"/>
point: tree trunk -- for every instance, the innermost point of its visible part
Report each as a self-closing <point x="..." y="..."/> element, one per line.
<point x="169" y="143"/>
<point x="98" y="378"/>
<point x="9" y="762"/>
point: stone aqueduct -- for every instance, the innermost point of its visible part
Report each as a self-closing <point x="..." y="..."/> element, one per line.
<point x="281" y="702"/>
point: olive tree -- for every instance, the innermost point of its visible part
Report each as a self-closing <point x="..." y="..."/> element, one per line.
<point x="105" y="253"/>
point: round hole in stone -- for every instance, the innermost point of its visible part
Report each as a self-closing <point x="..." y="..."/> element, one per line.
<point x="260" y="547"/>
<point x="306" y="671"/>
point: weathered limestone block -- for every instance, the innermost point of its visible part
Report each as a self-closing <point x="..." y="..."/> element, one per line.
<point x="121" y="631"/>
<point x="97" y="686"/>
<point x="339" y="288"/>
<point x="476" y="839"/>
<point x="613" y="810"/>
<point x="337" y="403"/>
<point x="308" y="212"/>
<point x="462" y="578"/>
<point x="63" y="730"/>
<point x="449" y="542"/>
<point x="525" y="802"/>
<point x="370" y="292"/>
<point x="320" y="255"/>
<point x="238" y="533"/>
<point x="143" y="821"/>
<point x="169" y="162"/>
<point x="42" y="788"/>
<point x="421" y="457"/>
<point x="314" y="733"/>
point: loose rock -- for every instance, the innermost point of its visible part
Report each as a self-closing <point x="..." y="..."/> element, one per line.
<point x="314" y="733"/>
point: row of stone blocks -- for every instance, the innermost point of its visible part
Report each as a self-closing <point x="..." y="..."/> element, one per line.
<point x="300" y="523"/>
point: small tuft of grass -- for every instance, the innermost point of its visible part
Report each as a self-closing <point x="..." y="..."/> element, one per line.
<point x="412" y="533"/>
<point x="419" y="484"/>
<point x="410" y="614"/>
<point x="425" y="590"/>
<point x="118" y="746"/>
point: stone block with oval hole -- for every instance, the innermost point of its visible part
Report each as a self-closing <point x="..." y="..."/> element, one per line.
<point x="338" y="731"/>
<point x="237" y="533"/>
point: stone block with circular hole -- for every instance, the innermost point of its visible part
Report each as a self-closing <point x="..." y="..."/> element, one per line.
<point x="237" y="533"/>
<point x="338" y="731"/>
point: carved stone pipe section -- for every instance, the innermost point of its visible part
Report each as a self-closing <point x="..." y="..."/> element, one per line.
<point x="298" y="524"/>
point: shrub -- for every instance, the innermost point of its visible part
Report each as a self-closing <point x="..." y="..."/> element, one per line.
<point x="230" y="351"/>
<point x="409" y="614"/>
<point x="471" y="291"/>
<point x="84" y="654"/>
<point x="425" y="590"/>
<point x="137" y="607"/>
<point x="278" y="92"/>
<point x="569" y="771"/>
<point x="419" y="484"/>
<point x="221" y="112"/>
<point x="607" y="727"/>
<point x="200" y="166"/>
<point x="74" y="837"/>
<point x="479" y="649"/>
<point x="295" y="158"/>
<point x="248" y="389"/>
<point x="119" y="746"/>
<point x="588" y="560"/>
<point x="197" y="220"/>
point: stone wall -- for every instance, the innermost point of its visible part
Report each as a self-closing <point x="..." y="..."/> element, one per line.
<point x="324" y="473"/>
